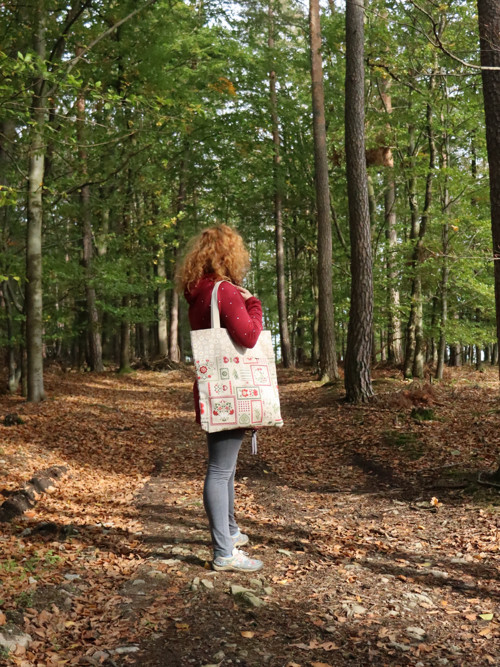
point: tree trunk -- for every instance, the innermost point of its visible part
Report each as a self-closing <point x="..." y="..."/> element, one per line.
<point x="445" y="271"/>
<point x="359" y="338"/>
<point x="33" y="300"/>
<point x="125" y="321"/>
<point x="93" y="327"/>
<point x="414" y="231"/>
<point x="161" y="273"/>
<point x="489" y="33"/>
<point x="414" y="358"/>
<point x="394" y="347"/>
<point x="315" y="321"/>
<point x="494" y="354"/>
<point x="174" y="328"/>
<point x="286" y="350"/>
<point x="327" y="355"/>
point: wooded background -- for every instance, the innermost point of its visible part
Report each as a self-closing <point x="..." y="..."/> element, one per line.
<point x="127" y="127"/>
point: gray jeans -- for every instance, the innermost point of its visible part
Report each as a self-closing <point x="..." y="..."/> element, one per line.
<point x="218" y="492"/>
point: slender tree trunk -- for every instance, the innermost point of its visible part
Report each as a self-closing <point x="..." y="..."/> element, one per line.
<point x="494" y="354"/>
<point x="315" y="321"/>
<point x="286" y="350"/>
<point x="394" y="347"/>
<point x="489" y="33"/>
<point x="174" y="352"/>
<point x="414" y="232"/>
<point x="414" y="358"/>
<point x="93" y="327"/>
<point x="327" y="355"/>
<point x="125" y="321"/>
<point x="33" y="299"/>
<point x="359" y="338"/>
<point x="161" y="272"/>
<point x="445" y="271"/>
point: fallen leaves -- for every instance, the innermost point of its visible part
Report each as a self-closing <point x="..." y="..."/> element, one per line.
<point x="313" y="644"/>
<point x="332" y="535"/>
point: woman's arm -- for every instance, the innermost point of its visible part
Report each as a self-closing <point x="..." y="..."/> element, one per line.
<point x="240" y="314"/>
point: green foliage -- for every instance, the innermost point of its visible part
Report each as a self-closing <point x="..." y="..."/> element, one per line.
<point x="176" y="135"/>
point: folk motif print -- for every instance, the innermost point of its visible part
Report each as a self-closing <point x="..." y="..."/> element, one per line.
<point x="237" y="387"/>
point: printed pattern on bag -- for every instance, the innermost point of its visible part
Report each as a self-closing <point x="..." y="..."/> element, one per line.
<point x="236" y="388"/>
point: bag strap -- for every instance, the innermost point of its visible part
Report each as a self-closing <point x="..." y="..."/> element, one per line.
<point x="214" y="307"/>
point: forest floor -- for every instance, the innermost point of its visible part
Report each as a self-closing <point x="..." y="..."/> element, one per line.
<point x="380" y="545"/>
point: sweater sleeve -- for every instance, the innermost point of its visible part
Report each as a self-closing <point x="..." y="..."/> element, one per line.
<point x="242" y="319"/>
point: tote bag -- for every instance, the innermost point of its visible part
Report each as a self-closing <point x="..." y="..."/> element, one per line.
<point x="238" y="386"/>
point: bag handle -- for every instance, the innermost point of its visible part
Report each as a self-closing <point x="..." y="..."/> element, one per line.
<point x="214" y="307"/>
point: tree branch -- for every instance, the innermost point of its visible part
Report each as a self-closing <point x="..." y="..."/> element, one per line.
<point x="438" y="44"/>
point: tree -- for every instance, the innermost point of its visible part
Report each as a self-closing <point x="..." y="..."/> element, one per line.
<point x="286" y="351"/>
<point x="359" y="339"/>
<point x="327" y="346"/>
<point x="33" y="298"/>
<point x="489" y="33"/>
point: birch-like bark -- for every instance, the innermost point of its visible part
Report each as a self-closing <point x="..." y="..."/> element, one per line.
<point x="36" y="173"/>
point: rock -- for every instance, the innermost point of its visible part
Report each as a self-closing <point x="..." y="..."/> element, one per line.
<point x="251" y="600"/>
<point x="400" y="647"/>
<point x="180" y="551"/>
<point x="100" y="655"/>
<point x="351" y="608"/>
<point x="420" y="598"/>
<point x="138" y="582"/>
<point x="236" y="590"/>
<point x="124" y="650"/>
<point x="207" y="584"/>
<point x="256" y="583"/>
<point x="439" y="574"/>
<point x="157" y="574"/>
<point x="219" y="656"/>
<point x="170" y="562"/>
<point x="195" y="583"/>
<point x="72" y="577"/>
<point x="267" y="590"/>
<point x="285" y="552"/>
<point x="11" y="637"/>
<point x="415" y="633"/>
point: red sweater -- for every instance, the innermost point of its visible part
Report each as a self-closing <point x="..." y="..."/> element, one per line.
<point x="242" y="319"/>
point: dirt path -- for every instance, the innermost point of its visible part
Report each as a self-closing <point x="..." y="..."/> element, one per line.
<point x="360" y="567"/>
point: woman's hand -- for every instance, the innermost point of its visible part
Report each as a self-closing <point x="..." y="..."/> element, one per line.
<point x="244" y="292"/>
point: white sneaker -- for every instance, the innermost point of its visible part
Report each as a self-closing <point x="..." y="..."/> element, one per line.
<point x="237" y="562"/>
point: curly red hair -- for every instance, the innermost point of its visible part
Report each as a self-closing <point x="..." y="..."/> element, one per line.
<point x="219" y="251"/>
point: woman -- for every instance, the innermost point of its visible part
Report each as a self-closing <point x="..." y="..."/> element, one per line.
<point x="219" y="253"/>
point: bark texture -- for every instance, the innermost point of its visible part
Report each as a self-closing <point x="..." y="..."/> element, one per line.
<point x="327" y="346"/>
<point x="359" y="338"/>
<point x="36" y="173"/>
<point x="286" y="350"/>
<point x="93" y="326"/>
<point x="489" y="33"/>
